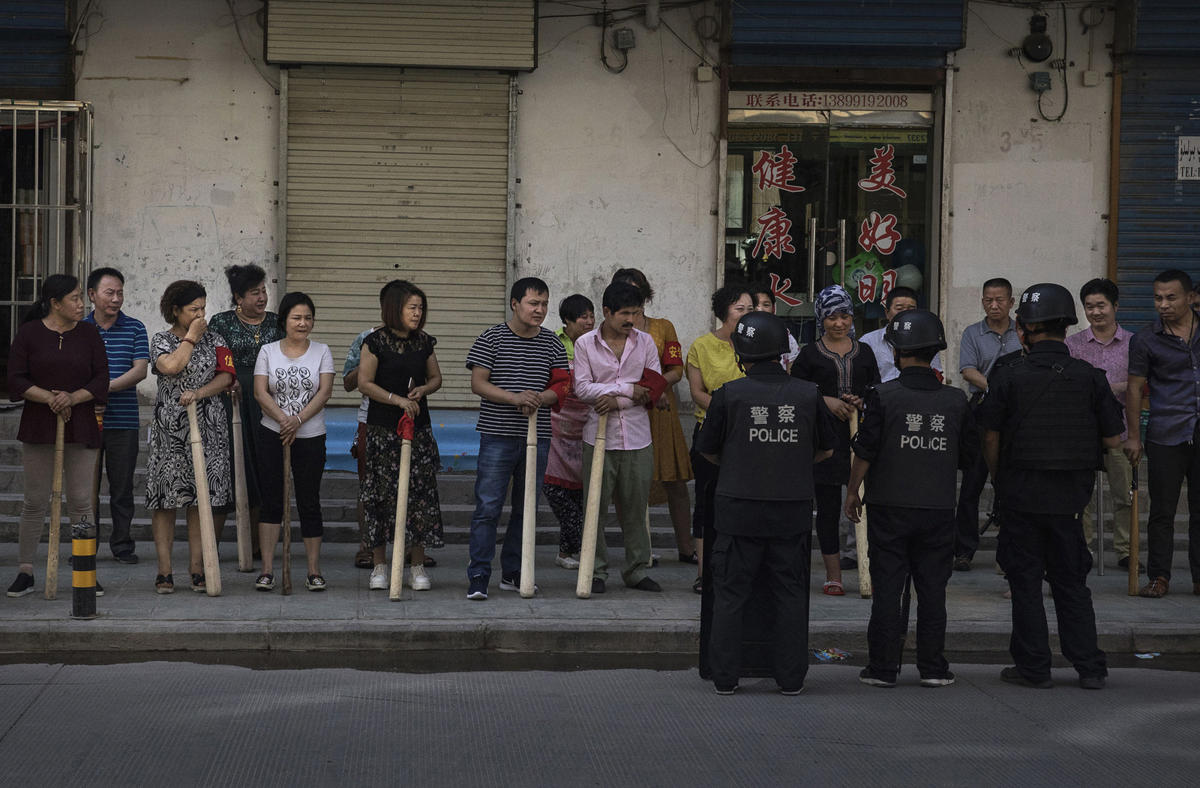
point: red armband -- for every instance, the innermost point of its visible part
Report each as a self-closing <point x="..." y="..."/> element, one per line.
<point x="225" y="361"/>
<point x="560" y="384"/>
<point x="672" y="355"/>
<point x="657" y="384"/>
<point x="406" y="427"/>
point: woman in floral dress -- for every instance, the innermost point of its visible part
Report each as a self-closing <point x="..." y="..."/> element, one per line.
<point x="193" y="365"/>
<point x="246" y="329"/>
<point x="398" y="372"/>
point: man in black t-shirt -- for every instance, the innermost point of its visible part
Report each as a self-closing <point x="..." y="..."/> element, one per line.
<point x="517" y="368"/>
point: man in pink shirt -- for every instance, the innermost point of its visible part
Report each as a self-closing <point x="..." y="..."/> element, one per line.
<point x="1105" y="345"/>
<point x="617" y="372"/>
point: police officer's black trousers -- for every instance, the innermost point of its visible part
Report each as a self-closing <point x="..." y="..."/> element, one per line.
<point x="1051" y="546"/>
<point x="966" y="538"/>
<point x="735" y="562"/>
<point x="903" y="541"/>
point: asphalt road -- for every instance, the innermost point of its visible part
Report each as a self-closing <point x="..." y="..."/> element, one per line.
<point x="181" y="724"/>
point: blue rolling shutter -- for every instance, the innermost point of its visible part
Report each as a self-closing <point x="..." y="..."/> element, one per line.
<point x="35" y="50"/>
<point x="847" y="33"/>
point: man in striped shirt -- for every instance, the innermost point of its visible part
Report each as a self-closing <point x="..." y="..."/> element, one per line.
<point x="128" y="361"/>
<point x="518" y="368"/>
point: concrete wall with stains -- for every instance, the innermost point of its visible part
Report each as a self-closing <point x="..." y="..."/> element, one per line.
<point x="1029" y="196"/>
<point x="602" y="184"/>
<point x="186" y="137"/>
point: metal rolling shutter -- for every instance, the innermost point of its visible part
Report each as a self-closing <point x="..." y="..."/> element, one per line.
<point x="399" y="174"/>
<point x="35" y="50"/>
<point x="498" y="34"/>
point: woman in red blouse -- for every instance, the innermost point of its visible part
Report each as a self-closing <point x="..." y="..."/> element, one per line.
<point x="57" y="364"/>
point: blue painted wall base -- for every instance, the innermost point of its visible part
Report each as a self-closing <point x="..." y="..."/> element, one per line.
<point x="454" y="430"/>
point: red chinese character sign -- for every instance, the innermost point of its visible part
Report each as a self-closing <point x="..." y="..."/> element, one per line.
<point x="879" y="233"/>
<point x="882" y="176"/>
<point x="776" y="171"/>
<point x="872" y="287"/>
<point x="775" y="238"/>
<point x="779" y="290"/>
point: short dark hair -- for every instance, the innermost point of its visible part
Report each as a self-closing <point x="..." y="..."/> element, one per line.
<point x="383" y="290"/>
<point x="179" y="294"/>
<point x="925" y="354"/>
<point x="574" y="307"/>
<point x="524" y="286"/>
<point x="621" y="295"/>
<point x="1104" y="287"/>
<point x="903" y="292"/>
<point x="1174" y="275"/>
<point x="635" y="277"/>
<point x="999" y="281"/>
<point x="755" y="289"/>
<point x="289" y="302"/>
<point x="726" y="297"/>
<point x="397" y="295"/>
<point x="95" y="276"/>
<point x="244" y="277"/>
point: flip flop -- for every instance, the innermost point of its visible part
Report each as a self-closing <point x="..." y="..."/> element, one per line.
<point x="833" y="588"/>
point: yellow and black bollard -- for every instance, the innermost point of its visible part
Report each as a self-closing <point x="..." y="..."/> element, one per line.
<point x="83" y="564"/>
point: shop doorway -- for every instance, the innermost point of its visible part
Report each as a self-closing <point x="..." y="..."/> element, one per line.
<point x="823" y="196"/>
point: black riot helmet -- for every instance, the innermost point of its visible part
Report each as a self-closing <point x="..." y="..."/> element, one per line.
<point x="1047" y="303"/>
<point x="916" y="329"/>
<point x="760" y="336"/>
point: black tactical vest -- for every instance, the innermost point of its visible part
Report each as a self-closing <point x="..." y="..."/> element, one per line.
<point x="769" y="437"/>
<point x="1052" y="423"/>
<point x="917" y="464"/>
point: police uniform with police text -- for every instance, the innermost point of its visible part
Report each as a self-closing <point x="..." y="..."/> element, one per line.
<point x="1051" y="412"/>
<point x="916" y="433"/>
<point x="766" y="428"/>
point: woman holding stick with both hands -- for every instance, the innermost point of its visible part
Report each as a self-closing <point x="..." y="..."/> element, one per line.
<point x="398" y="372"/>
<point x="193" y="364"/>
<point x="58" y="365"/>
<point x="293" y="379"/>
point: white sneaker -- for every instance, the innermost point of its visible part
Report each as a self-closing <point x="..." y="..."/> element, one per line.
<point x="419" y="580"/>
<point x="380" y="579"/>
<point x="566" y="563"/>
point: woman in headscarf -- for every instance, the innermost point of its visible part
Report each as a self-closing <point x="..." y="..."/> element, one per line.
<point x="842" y="368"/>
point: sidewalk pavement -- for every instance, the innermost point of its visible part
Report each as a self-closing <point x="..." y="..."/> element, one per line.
<point x="348" y="617"/>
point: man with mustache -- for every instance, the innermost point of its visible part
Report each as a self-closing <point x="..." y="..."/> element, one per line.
<point x="618" y="373"/>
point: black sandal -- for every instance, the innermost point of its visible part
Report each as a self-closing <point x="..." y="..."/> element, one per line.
<point x="698" y="586"/>
<point x="198" y="584"/>
<point x="315" y="583"/>
<point x="164" y="584"/>
<point x="689" y="559"/>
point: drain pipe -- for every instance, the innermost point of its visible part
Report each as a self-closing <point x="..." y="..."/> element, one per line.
<point x="652" y="8"/>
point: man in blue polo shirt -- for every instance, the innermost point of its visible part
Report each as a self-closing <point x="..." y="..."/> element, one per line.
<point x="128" y="361"/>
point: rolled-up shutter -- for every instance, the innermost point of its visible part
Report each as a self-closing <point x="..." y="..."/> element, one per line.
<point x="498" y="34"/>
<point x="399" y="174"/>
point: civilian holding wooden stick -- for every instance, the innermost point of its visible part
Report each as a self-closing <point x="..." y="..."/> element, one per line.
<point x="293" y="379"/>
<point x="58" y="365"/>
<point x="193" y="365"/>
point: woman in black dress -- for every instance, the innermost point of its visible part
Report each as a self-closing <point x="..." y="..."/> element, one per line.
<point x="842" y="368"/>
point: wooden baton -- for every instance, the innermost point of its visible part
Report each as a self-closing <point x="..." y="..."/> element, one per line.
<point x="860" y="532"/>
<point x="591" y="515"/>
<point x="1134" y="536"/>
<point x="241" y="502"/>
<point x="55" y="513"/>
<point x="529" y="512"/>
<point x="401" y="519"/>
<point x="287" y="520"/>
<point x="208" y="533"/>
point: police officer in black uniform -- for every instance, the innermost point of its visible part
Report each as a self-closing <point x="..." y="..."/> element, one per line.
<point x="765" y="431"/>
<point x="915" y="435"/>
<point x="1046" y="418"/>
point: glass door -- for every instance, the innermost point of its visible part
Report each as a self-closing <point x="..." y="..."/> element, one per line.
<point x="831" y="197"/>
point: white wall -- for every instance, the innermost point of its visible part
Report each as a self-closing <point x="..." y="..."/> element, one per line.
<point x="602" y="187"/>
<point x="185" y="147"/>
<point x="1027" y="195"/>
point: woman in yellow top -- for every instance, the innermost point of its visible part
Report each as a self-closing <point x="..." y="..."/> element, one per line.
<point x="672" y="466"/>
<point x="711" y="363"/>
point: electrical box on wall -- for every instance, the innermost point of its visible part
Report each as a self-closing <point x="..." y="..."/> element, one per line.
<point x="1039" y="81"/>
<point x="704" y="73"/>
<point x="1091" y="79"/>
<point x="623" y="39"/>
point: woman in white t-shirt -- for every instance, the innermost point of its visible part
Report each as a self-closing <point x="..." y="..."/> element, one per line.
<point x="293" y="379"/>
